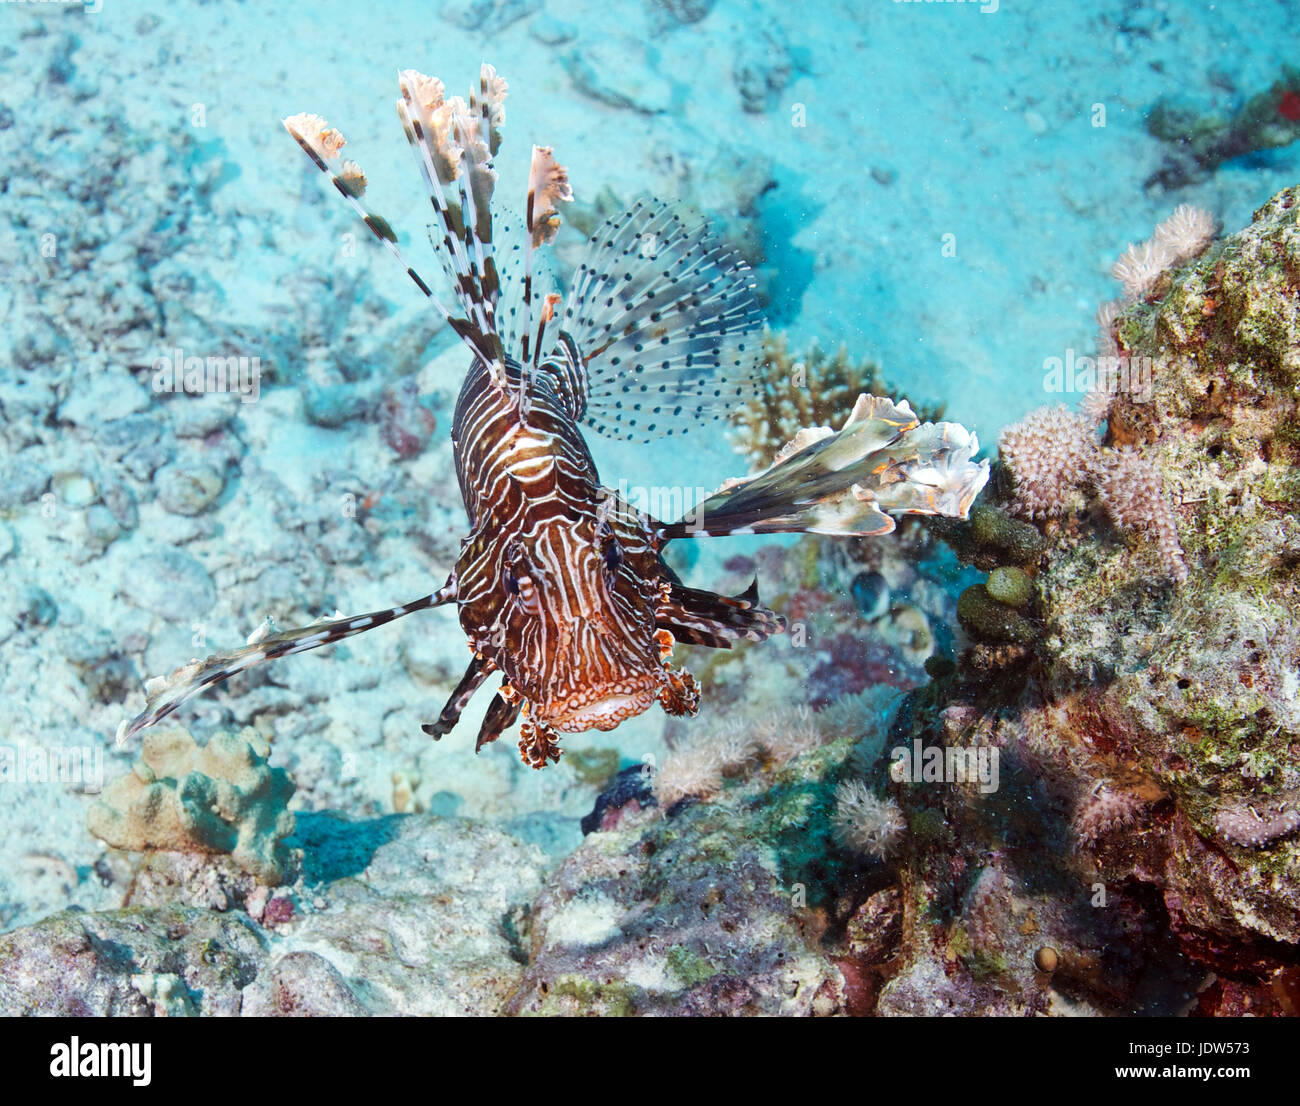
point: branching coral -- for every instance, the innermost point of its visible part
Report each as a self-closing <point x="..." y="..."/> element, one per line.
<point x="864" y="823"/>
<point x="799" y="391"/>
<point x="219" y="798"/>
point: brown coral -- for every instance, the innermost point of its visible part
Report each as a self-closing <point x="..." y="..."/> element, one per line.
<point x="218" y="798"/>
<point x="793" y="392"/>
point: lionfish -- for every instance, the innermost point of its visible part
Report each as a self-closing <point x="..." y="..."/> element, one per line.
<point x="560" y="584"/>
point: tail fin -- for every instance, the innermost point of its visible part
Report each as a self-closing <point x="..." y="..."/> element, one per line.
<point x="884" y="461"/>
<point x="167" y="693"/>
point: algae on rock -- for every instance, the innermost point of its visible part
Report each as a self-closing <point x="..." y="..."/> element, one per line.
<point x="220" y="798"/>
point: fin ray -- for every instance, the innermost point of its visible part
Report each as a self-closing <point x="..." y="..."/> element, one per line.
<point x="705" y="618"/>
<point x="197" y="676"/>
<point x="883" y="462"/>
<point x="667" y="322"/>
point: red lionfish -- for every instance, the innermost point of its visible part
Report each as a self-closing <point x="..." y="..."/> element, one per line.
<point x="561" y="586"/>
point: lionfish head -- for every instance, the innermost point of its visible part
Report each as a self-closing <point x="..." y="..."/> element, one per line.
<point x="577" y="626"/>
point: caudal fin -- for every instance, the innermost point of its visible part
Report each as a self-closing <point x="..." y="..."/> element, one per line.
<point x="883" y="462"/>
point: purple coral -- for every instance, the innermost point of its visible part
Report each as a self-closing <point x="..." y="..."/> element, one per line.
<point x="1053" y="458"/>
<point x="1104" y="811"/>
<point x="1257" y="827"/>
<point x="1131" y="490"/>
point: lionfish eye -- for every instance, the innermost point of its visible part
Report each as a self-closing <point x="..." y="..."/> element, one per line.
<point x="511" y="582"/>
<point x="611" y="554"/>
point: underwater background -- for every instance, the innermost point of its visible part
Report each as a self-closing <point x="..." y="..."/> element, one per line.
<point x="932" y="197"/>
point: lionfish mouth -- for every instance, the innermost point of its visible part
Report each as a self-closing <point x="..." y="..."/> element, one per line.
<point x="602" y="708"/>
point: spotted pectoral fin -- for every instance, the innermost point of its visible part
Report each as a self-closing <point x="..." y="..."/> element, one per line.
<point x="706" y="618"/>
<point x="668" y="322"/>
<point x="165" y="694"/>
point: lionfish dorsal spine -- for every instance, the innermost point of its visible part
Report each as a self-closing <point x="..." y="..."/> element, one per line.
<point x="451" y="153"/>
<point x="322" y="143"/>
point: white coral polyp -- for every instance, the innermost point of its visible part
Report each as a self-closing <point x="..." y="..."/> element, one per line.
<point x="864" y="823"/>
<point x="1179" y="238"/>
<point x="1049" y="455"/>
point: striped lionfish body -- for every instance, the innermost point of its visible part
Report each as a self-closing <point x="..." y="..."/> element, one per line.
<point x="560" y="585"/>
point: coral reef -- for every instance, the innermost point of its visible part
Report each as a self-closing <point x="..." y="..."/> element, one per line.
<point x="1132" y="491"/>
<point x="1055" y="461"/>
<point x="1148" y="736"/>
<point x="1142" y="851"/>
<point x="1199" y="143"/>
<point x="404" y="915"/>
<point x="710" y="908"/>
<point x="218" y="798"/>
<point x="795" y="391"/>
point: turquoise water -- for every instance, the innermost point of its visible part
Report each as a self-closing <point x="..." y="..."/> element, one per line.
<point x="939" y="188"/>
